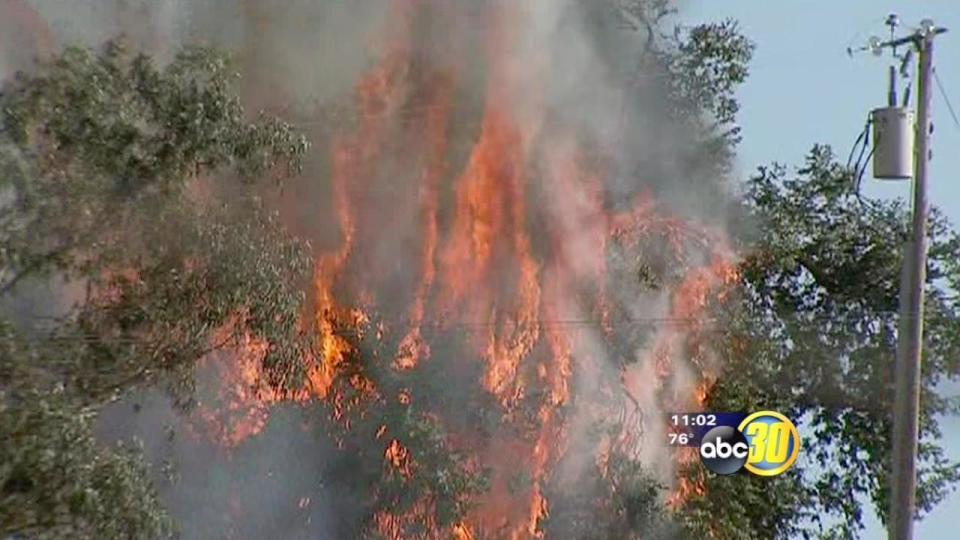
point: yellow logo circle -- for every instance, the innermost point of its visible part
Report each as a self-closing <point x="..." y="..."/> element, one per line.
<point x="774" y="443"/>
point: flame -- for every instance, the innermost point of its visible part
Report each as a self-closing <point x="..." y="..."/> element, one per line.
<point x="485" y="265"/>
<point x="462" y="532"/>
<point x="376" y="96"/>
<point x="413" y="348"/>
<point x="399" y="457"/>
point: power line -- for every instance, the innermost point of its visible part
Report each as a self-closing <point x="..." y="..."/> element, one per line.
<point x="946" y="98"/>
<point x="482" y="326"/>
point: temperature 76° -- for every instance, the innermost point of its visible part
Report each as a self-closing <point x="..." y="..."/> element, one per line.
<point x="681" y="439"/>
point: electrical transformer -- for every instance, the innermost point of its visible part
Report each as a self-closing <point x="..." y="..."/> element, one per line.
<point x="892" y="143"/>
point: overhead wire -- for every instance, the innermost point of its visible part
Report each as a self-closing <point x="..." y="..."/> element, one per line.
<point x="857" y="170"/>
<point x="485" y="326"/>
<point x="863" y="169"/>
<point x="860" y="138"/>
<point x="946" y="98"/>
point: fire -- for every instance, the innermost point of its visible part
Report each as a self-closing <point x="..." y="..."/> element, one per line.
<point x="462" y="532"/>
<point x="399" y="457"/>
<point x="523" y="286"/>
<point x="491" y="183"/>
<point x="377" y="95"/>
<point x="413" y="348"/>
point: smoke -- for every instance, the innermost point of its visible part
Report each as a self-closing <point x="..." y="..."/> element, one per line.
<point x="274" y="486"/>
<point x="589" y="71"/>
<point x="541" y="96"/>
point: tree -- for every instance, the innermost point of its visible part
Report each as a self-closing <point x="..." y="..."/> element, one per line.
<point x="813" y="335"/>
<point x="699" y="69"/>
<point x="812" y="331"/>
<point x="99" y="151"/>
<point x="59" y="482"/>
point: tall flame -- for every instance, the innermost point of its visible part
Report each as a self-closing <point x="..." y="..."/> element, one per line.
<point x="529" y="285"/>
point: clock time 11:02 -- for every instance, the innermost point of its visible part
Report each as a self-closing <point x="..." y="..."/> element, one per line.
<point x="704" y="419"/>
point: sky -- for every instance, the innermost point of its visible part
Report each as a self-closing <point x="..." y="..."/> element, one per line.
<point x="804" y="89"/>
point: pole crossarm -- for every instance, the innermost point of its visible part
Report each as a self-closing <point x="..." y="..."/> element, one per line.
<point x="915" y="38"/>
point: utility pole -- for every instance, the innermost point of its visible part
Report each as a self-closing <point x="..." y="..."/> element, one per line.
<point x="906" y="408"/>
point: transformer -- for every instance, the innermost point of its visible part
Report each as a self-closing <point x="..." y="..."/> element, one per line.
<point x="893" y="136"/>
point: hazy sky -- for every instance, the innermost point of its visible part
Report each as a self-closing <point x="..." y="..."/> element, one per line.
<point x="805" y="89"/>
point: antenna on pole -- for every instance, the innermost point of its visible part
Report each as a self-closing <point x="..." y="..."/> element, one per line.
<point x="893" y="21"/>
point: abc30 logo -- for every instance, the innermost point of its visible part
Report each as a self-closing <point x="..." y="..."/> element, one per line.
<point x="766" y="443"/>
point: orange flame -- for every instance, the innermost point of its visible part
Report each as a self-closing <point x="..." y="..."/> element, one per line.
<point x="482" y="268"/>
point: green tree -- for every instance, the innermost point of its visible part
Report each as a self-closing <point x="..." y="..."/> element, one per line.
<point x="812" y="331"/>
<point x="813" y="335"/>
<point x="98" y="152"/>
<point x="59" y="482"/>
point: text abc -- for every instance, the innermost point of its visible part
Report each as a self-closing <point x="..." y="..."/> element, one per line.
<point x="722" y="449"/>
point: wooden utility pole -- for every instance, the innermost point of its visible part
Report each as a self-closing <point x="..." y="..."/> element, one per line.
<point x="906" y="409"/>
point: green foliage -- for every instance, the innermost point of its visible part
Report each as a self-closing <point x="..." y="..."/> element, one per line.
<point x="746" y="507"/>
<point x="97" y="153"/>
<point x="138" y="125"/>
<point x="814" y="336"/>
<point x="156" y="318"/>
<point x="621" y="501"/>
<point x="688" y="76"/>
<point x="93" y="138"/>
<point x="705" y="66"/>
<point x="439" y="475"/>
<point x="55" y="479"/>
<point x="699" y="67"/>
<point x="709" y="63"/>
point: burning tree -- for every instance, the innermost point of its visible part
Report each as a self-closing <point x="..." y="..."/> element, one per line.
<point x="518" y="344"/>
<point x="515" y="300"/>
<point x="485" y="351"/>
